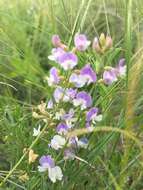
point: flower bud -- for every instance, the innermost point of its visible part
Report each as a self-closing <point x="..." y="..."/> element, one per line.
<point x="56" y="41"/>
<point x="102" y="39"/>
<point x="95" y="45"/>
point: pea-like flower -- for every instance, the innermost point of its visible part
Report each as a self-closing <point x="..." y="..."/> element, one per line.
<point x="62" y="128"/>
<point x="110" y="76"/>
<point x="78" y="80"/>
<point x="89" y="74"/>
<point x="69" y="118"/>
<point x="69" y="94"/>
<point x="47" y="164"/>
<point x="81" y="42"/>
<point x="56" y="54"/>
<point x="121" y="68"/>
<point x="61" y="94"/>
<point x="57" y="142"/>
<point x="82" y="142"/>
<point x="91" y="114"/>
<point x="68" y="60"/>
<point x="83" y="99"/>
<point x="86" y="76"/>
<point x="69" y="153"/>
<point x="54" y="78"/>
<point x="58" y="94"/>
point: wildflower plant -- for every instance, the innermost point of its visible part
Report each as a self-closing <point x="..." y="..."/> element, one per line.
<point x="73" y="104"/>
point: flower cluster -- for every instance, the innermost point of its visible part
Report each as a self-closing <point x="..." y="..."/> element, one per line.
<point x="71" y="106"/>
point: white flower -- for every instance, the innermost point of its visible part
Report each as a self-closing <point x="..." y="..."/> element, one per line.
<point x="55" y="173"/>
<point x="79" y="102"/>
<point x="36" y="132"/>
<point x="57" y="142"/>
<point x="96" y="119"/>
<point x="43" y="168"/>
<point x="78" y="80"/>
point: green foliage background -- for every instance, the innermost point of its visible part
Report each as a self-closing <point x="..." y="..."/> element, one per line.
<point x="26" y="27"/>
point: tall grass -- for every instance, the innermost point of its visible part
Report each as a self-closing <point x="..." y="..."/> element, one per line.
<point x="114" y="160"/>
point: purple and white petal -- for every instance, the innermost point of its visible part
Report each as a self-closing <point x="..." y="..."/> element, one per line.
<point x="110" y="76"/>
<point x="50" y="104"/>
<point x="91" y="114"/>
<point x="83" y="99"/>
<point x="54" y="78"/>
<point x="81" y="42"/>
<point x="56" y="54"/>
<point x="121" y="68"/>
<point x="78" y="80"/>
<point x="69" y="153"/>
<point x="57" y="142"/>
<point x="73" y="142"/>
<point x="89" y="74"/>
<point x="62" y="128"/>
<point x="69" y="118"/>
<point x="58" y="94"/>
<point x="68" y="60"/>
<point x="46" y="162"/>
<point x="69" y="94"/>
<point x="83" y="142"/>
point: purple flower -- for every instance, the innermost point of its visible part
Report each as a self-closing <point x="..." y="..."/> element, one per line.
<point x="56" y="54"/>
<point x="81" y="42"/>
<point x="69" y="154"/>
<point x="69" y="115"/>
<point x="73" y="142"/>
<point x="86" y="76"/>
<point x="88" y="72"/>
<point x="45" y="163"/>
<point x="56" y="41"/>
<point x="50" y="104"/>
<point x="48" y="164"/>
<point x="110" y="76"/>
<point x="69" y="118"/>
<point x="62" y="128"/>
<point x="78" y="80"/>
<point x="54" y="77"/>
<point x="121" y="68"/>
<point x="82" y="142"/>
<point x="91" y="114"/>
<point x="65" y="95"/>
<point x="83" y="100"/>
<point x="68" y="60"/>
<point x="87" y="125"/>
<point x="69" y="94"/>
<point x="58" y="94"/>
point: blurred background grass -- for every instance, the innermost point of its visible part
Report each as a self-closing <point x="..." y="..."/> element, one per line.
<point x="26" y="27"/>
